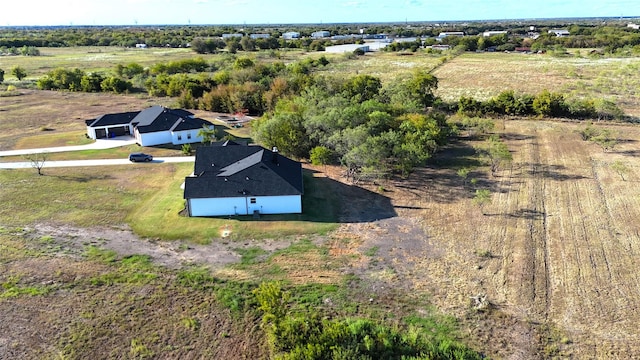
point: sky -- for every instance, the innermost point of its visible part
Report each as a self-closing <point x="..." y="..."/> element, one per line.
<point x="216" y="12"/>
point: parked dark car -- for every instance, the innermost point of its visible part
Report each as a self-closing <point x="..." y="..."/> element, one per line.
<point x="136" y="157"/>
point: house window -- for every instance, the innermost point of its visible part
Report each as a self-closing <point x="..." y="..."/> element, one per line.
<point x="189" y="136"/>
<point x="179" y="137"/>
<point x="253" y="200"/>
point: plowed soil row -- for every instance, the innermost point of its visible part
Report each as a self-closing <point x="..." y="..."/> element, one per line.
<point x="555" y="254"/>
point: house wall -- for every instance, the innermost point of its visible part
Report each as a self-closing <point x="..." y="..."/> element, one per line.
<point x="154" y="138"/>
<point x="182" y="137"/>
<point x="290" y="204"/>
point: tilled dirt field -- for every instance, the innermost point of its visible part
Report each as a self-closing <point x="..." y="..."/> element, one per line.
<point x="556" y="252"/>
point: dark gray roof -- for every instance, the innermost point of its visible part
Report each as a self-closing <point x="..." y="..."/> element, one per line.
<point x="230" y="171"/>
<point x="113" y="119"/>
<point x="148" y="115"/>
<point x="191" y="124"/>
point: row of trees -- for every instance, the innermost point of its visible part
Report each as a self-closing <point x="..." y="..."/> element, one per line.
<point x="545" y="103"/>
<point x="78" y="80"/>
<point x="24" y="50"/>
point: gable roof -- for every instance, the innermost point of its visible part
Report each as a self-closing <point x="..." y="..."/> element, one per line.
<point x="152" y="119"/>
<point x="113" y="119"/>
<point x="190" y="124"/>
<point x="231" y="171"/>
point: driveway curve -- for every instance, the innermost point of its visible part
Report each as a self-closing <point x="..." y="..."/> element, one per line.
<point x="98" y="144"/>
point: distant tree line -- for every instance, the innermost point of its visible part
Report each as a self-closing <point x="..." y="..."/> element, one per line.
<point x="545" y="104"/>
<point x="206" y="39"/>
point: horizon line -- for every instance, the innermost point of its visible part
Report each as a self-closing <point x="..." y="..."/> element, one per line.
<point x="333" y="23"/>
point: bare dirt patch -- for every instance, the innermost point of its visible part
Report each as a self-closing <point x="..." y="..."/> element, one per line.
<point x="170" y="254"/>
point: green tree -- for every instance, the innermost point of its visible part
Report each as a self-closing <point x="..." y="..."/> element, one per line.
<point x="620" y="168"/>
<point x="19" y="72"/>
<point x="497" y="153"/>
<point x="549" y="104"/>
<point x="243" y="63"/>
<point x="116" y="85"/>
<point x="362" y="87"/>
<point x="91" y="82"/>
<point x="208" y="134"/>
<point x="608" y="110"/>
<point x="482" y="198"/>
<point x="463" y="173"/>
<point x="320" y="155"/>
<point x="248" y="44"/>
<point x="607" y="139"/>
<point x="422" y="86"/>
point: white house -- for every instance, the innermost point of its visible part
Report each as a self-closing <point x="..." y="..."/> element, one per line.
<point x="339" y="49"/>
<point x="320" y="34"/>
<point x="230" y="36"/>
<point x="259" y="36"/>
<point x="235" y="179"/>
<point x="291" y="35"/>
<point x="155" y="125"/>
<point x="559" y="32"/>
<point x="493" y="33"/>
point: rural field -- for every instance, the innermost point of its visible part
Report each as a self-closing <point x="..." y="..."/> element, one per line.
<point x="100" y="258"/>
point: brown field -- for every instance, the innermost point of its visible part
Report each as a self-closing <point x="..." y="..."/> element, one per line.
<point x="485" y="75"/>
<point x="555" y="254"/>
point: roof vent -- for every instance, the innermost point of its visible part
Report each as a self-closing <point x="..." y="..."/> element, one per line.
<point x="246" y="178"/>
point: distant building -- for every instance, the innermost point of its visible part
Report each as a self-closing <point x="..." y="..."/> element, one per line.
<point x="445" y="34"/>
<point x="441" y="47"/>
<point x="260" y="36"/>
<point x="141" y="46"/>
<point x="346" y="37"/>
<point x="634" y="26"/>
<point x="320" y="34"/>
<point x="339" y="49"/>
<point x="406" y="39"/>
<point x="492" y="33"/>
<point x="229" y="36"/>
<point x="559" y="32"/>
<point x="451" y="33"/>
<point x="291" y="35"/>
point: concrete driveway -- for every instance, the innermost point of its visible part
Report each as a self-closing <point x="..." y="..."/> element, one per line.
<point x="99" y="144"/>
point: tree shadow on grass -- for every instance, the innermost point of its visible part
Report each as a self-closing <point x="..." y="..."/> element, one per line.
<point x="82" y="178"/>
<point x="330" y="201"/>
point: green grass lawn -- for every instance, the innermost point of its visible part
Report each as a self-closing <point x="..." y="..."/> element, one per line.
<point x="159" y="216"/>
<point x="148" y="198"/>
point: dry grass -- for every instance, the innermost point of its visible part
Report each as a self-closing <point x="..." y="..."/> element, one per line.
<point x="485" y="75"/>
<point x="42" y="114"/>
<point x="386" y="66"/>
<point x="562" y="239"/>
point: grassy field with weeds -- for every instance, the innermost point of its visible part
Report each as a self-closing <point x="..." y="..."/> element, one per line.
<point x="483" y="75"/>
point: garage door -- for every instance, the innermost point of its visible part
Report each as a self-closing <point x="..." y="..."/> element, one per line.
<point x="101" y="133"/>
